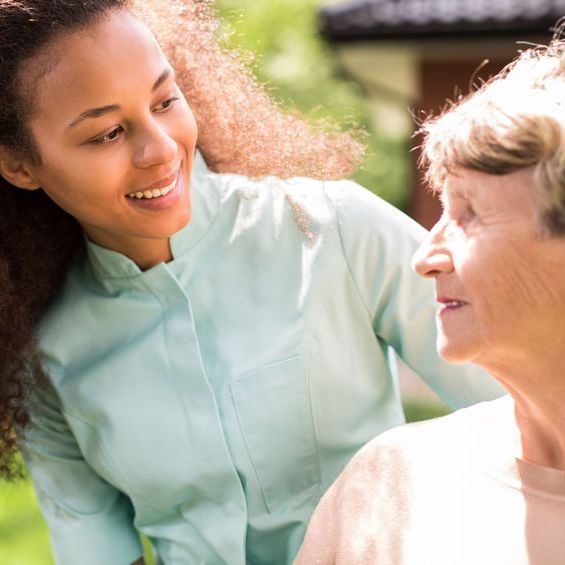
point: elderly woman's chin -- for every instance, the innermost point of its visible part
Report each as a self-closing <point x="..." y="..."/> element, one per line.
<point x="460" y="336"/>
<point x="455" y="349"/>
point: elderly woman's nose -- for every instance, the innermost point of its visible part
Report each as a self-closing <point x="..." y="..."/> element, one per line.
<point x="431" y="265"/>
<point x="432" y="258"/>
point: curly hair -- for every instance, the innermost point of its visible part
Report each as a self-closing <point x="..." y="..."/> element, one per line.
<point x="514" y="121"/>
<point x="241" y="130"/>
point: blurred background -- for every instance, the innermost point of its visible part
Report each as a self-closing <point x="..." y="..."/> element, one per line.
<point x="374" y="63"/>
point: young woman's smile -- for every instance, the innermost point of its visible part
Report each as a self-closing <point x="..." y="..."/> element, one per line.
<point x="160" y="195"/>
<point x="116" y="138"/>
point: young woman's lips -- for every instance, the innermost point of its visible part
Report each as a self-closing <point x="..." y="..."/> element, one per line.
<point x="158" y="199"/>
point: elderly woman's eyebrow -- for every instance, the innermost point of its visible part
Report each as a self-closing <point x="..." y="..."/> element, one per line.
<point x="458" y="190"/>
<point x="102" y="110"/>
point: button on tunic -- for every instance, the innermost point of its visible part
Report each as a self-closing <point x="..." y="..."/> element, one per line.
<point x="210" y="401"/>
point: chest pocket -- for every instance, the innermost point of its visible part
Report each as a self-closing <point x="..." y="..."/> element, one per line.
<point x="275" y="414"/>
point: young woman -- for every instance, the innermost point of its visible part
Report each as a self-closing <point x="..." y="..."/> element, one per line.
<point x="199" y="354"/>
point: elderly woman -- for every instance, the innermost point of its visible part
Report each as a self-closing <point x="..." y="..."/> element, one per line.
<point x="486" y="484"/>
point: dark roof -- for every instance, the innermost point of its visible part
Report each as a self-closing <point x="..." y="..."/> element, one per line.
<point x="387" y="19"/>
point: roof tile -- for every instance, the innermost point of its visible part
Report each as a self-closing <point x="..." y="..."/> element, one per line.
<point x="386" y="18"/>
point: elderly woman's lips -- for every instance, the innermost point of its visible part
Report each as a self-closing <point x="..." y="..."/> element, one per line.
<point x="450" y="305"/>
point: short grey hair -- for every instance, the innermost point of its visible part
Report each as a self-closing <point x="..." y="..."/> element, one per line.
<point x="514" y="121"/>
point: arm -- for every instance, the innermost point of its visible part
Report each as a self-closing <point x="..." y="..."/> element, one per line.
<point x="378" y="243"/>
<point x="89" y="521"/>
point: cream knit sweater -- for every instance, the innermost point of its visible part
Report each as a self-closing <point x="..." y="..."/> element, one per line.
<point x="443" y="492"/>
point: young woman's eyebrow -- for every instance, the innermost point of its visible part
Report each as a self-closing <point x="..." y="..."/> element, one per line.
<point x="93" y="113"/>
<point x="161" y="78"/>
<point x="97" y="112"/>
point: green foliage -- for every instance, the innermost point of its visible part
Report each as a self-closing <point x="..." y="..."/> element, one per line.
<point x="302" y="72"/>
<point x="23" y="535"/>
<point x="147" y="552"/>
<point x="289" y="57"/>
<point x="417" y="410"/>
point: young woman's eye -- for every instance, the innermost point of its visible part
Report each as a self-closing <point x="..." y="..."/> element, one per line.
<point x="167" y="104"/>
<point x="108" y="137"/>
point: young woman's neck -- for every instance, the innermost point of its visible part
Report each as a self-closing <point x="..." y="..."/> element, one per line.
<point x="145" y="253"/>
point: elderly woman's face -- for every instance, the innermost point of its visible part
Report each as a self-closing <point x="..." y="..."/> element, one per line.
<point x="500" y="286"/>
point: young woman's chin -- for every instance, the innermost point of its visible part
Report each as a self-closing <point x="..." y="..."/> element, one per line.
<point x="172" y="225"/>
<point x="167" y="215"/>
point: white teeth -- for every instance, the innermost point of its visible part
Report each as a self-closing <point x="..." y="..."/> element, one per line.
<point x="155" y="193"/>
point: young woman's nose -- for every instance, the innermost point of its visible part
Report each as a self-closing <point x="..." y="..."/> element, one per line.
<point x="432" y="257"/>
<point x="155" y="147"/>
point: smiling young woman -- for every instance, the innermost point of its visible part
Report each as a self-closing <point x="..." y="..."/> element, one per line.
<point x="116" y="147"/>
<point x="199" y="352"/>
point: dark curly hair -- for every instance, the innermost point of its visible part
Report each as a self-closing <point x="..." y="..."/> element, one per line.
<point x="241" y="130"/>
<point x="37" y="239"/>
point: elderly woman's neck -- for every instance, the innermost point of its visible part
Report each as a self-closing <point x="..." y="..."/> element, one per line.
<point x="536" y="384"/>
<point x="542" y="431"/>
<point x="538" y="397"/>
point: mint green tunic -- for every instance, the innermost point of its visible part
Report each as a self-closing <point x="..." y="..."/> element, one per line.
<point x="209" y="402"/>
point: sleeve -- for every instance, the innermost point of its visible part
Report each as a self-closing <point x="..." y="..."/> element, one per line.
<point x="378" y="243"/>
<point x="89" y="521"/>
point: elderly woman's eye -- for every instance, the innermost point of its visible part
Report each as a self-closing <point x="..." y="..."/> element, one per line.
<point x="465" y="215"/>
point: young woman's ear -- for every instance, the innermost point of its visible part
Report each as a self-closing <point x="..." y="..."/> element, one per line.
<point x="16" y="169"/>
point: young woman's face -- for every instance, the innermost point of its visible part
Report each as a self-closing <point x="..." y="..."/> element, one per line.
<point x="116" y="138"/>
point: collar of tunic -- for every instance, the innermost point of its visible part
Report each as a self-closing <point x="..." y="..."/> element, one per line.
<point x="107" y="264"/>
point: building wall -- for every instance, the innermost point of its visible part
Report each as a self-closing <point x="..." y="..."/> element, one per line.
<point x="404" y="79"/>
<point x="441" y="80"/>
<point x="389" y="74"/>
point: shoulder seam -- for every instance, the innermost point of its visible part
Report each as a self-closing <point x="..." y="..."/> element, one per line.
<point x="333" y="207"/>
